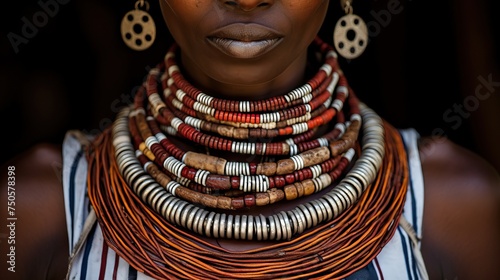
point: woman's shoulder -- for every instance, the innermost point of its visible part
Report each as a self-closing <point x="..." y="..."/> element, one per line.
<point x="461" y="212"/>
<point x="39" y="153"/>
<point x="37" y="206"/>
<point x="36" y="168"/>
<point x="40" y="164"/>
<point x="457" y="166"/>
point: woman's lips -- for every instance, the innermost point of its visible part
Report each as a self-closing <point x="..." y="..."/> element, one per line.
<point x="242" y="49"/>
<point x="244" y="40"/>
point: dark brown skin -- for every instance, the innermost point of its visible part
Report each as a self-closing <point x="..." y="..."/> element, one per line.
<point x="461" y="237"/>
<point x="275" y="72"/>
<point x="41" y="243"/>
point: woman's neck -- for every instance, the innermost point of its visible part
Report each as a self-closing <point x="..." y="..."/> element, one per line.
<point x="247" y="88"/>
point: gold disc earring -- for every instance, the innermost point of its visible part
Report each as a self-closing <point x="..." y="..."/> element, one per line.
<point x="350" y="35"/>
<point x="138" y="28"/>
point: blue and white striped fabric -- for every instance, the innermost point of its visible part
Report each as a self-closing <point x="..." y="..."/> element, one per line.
<point x="398" y="260"/>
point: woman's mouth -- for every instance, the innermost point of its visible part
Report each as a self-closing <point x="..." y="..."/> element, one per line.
<point x="242" y="49"/>
<point x="244" y="40"/>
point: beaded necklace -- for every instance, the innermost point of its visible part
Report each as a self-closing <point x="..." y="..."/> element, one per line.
<point x="145" y="187"/>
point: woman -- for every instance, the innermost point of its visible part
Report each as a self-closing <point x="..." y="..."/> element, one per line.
<point x="255" y="50"/>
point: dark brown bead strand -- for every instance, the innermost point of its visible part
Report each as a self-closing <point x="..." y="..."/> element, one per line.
<point x="213" y="181"/>
<point x="287" y="171"/>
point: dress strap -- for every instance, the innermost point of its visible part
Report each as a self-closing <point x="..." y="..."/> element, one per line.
<point x="403" y="222"/>
<point x="87" y="227"/>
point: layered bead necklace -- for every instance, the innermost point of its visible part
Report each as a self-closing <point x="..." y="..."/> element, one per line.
<point x="147" y="187"/>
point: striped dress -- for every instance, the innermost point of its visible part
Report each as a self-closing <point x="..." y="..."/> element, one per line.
<point x="400" y="259"/>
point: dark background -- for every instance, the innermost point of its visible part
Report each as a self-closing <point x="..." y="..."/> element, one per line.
<point x="421" y="62"/>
